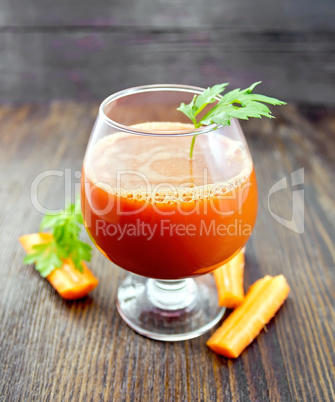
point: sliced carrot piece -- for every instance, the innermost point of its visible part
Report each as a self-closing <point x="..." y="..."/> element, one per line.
<point x="30" y="240"/>
<point x="229" y="281"/>
<point x="261" y="303"/>
<point x="67" y="280"/>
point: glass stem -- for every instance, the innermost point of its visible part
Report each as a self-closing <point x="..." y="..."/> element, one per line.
<point x="172" y="295"/>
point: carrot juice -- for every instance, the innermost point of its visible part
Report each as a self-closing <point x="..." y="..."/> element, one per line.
<point x="154" y="212"/>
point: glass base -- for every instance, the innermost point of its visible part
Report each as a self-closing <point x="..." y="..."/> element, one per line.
<point x="169" y="310"/>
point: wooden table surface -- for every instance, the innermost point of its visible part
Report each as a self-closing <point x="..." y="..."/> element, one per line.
<point x="55" y="350"/>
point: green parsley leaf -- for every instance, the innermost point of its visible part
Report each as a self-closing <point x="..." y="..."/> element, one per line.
<point x="199" y="102"/>
<point x="239" y="104"/>
<point x="65" y="228"/>
<point x="188" y="110"/>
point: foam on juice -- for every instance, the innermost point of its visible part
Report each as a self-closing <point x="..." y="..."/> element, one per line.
<point x="158" y="168"/>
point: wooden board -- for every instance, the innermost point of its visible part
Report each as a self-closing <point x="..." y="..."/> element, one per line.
<point x="91" y="65"/>
<point x="240" y="15"/>
<point x="86" y="50"/>
<point x="82" y="351"/>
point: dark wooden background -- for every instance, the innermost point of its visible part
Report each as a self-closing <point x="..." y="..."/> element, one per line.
<point x="87" y="49"/>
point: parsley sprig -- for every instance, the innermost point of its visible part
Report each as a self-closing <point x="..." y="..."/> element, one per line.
<point x="240" y="104"/>
<point x="65" y="228"/>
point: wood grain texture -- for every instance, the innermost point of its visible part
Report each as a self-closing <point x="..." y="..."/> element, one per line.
<point x="53" y="350"/>
<point x="253" y="15"/>
<point x="83" y="64"/>
<point x="86" y="50"/>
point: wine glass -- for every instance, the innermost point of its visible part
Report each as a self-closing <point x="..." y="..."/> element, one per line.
<point x="166" y="218"/>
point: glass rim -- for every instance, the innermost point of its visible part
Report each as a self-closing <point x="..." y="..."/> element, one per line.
<point x="154" y="88"/>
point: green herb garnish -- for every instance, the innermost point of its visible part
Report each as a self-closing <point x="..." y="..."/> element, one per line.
<point x="237" y="103"/>
<point x="65" y="228"/>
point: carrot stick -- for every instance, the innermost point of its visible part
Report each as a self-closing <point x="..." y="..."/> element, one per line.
<point x="229" y="281"/>
<point x="67" y="280"/>
<point x="261" y="303"/>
